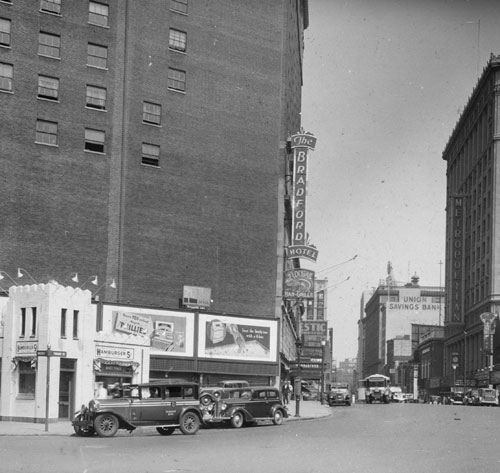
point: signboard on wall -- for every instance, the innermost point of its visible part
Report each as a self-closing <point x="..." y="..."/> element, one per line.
<point x="299" y="283"/>
<point x="237" y="338"/>
<point x="167" y="332"/>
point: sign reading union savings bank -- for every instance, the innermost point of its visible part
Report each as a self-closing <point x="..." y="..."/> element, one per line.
<point x="300" y="247"/>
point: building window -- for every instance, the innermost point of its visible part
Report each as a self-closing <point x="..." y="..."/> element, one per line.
<point x="97" y="56"/>
<point x="49" y="45"/>
<point x="27" y="378"/>
<point x="176" y="80"/>
<point x="63" y="322"/>
<point x="22" y="331"/>
<point x="51" y="6"/>
<point x="150" y="154"/>
<point x="75" y="323"/>
<point x="98" y="13"/>
<point x="33" y="322"/>
<point x="48" y="88"/>
<point x="180" y="6"/>
<point x="46" y="132"/>
<point x="177" y="40"/>
<point x="94" y="140"/>
<point x="151" y="113"/>
<point x="4" y="32"/>
<point x="96" y="97"/>
<point x="6" y="74"/>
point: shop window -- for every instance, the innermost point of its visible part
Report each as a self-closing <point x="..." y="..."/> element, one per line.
<point x="27" y="378"/>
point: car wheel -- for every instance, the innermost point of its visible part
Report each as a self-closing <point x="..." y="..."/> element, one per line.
<point x="189" y="423"/>
<point x="278" y="417"/>
<point x="237" y="420"/>
<point x="165" y="430"/>
<point x="106" y="425"/>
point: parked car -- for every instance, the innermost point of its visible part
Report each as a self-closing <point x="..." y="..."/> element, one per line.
<point x="481" y="397"/>
<point x="456" y="398"/>
<point x="339" y="395"/>
<point x="238" y="406"/>
<point x="221" y="385"/>
<point x="397" y="394"/>
<point x="166" y="405"/>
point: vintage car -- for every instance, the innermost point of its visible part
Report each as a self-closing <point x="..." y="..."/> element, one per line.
<point x="397" y="394"/>
<point x="238" y="406"/>
<point x="167" y="405"/>
<point x="481" y="397"/>
<point x="339" y="395"/>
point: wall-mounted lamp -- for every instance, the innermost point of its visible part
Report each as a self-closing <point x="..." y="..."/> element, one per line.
<point x="112" y="284"/>
<point x="6" y="274"/>
<point x="22" y="271"/>
<point x="93" y="280"/>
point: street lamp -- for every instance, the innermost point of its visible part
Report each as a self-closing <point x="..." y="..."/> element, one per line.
<point x="322" y="392"/>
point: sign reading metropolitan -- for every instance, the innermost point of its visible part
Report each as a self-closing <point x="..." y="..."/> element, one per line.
<point x="302" y="143"/>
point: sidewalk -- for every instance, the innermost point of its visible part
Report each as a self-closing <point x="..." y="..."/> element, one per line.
<point x="308" y="410"/>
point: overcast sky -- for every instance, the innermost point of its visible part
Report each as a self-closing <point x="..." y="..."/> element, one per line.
<point x="384" y="83"/>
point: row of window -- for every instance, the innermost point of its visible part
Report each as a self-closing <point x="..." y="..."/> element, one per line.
<point x="98" y="12"/>
<point x="24" y="331"/>
<point x="47" y="134"/>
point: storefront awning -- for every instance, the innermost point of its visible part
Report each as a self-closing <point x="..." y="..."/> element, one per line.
<point x="24" y="358"/>
<point x="104" y="361"/>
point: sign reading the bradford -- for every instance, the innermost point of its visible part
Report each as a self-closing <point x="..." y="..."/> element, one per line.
<point x="237" y="338"/>
<point x="300" y="248"/>
<point x="299" y="283"/>
<point x="167" y="332"/>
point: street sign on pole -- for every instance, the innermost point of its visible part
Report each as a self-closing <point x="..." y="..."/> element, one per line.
<point x="49" y="353"/>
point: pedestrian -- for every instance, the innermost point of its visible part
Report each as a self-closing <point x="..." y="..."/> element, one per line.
<point x="287" y="388"/>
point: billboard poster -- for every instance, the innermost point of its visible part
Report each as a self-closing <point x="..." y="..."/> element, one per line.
<point x="237" y="338"/>
<point x="168" y="333"/>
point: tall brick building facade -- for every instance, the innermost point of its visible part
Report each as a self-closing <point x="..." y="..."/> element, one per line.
<point x="145" y="142"/>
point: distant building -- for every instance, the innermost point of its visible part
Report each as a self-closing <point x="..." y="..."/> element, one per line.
<point x="398" y="352"/>
<point x="390" y="313"/>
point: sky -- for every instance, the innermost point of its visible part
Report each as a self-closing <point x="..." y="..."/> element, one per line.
<point x="384" y="83"/>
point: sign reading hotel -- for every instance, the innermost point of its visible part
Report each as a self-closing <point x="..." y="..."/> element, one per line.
<point x="302" y="143"/>
<point x="299" y="283"/>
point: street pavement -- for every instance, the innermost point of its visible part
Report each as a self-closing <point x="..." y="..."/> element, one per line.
<point x="307" y="410"/>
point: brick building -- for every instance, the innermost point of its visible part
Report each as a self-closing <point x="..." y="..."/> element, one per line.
<point x="146" y="144"/>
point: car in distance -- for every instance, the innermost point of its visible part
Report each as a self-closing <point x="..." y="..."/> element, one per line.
<point x="239" y="406"/>
<point x="165" y="405"/>
<point x="339" y="395"/>
<point x="481" y="397"/>
<point x="397" y="394"/>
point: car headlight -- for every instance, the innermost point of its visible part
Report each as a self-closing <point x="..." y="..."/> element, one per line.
<point x="93" y="405"/>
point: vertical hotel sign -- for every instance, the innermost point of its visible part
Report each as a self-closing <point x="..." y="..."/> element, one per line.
<point x="457" y="259"/>
<point x="300" y="248"/>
